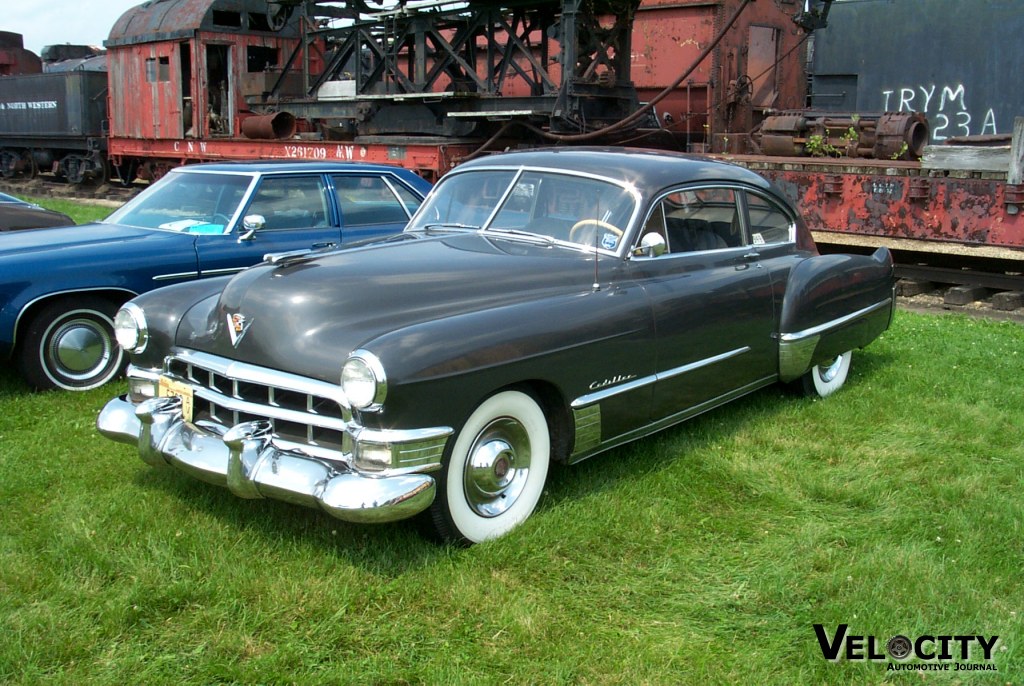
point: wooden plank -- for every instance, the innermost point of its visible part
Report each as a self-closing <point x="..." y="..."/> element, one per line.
<point x="979" y="158"/>
<point x="1016" y="172"/>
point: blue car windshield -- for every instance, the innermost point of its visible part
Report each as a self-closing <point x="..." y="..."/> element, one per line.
<point x="568" y="208"/>
<point x="202" y="203"/>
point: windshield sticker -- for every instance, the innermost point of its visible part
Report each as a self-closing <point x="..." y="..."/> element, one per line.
<point x="609" y="241"/>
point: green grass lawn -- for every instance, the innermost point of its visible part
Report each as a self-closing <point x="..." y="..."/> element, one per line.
<point x="702" y="555"/>
<point x="79" y="211"/>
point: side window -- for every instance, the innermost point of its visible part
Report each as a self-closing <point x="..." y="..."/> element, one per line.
<point x="697" y="220"/>
<point x="768" y="222"/>
<point x="291" y="202"/>
<point x="369" y="200"/>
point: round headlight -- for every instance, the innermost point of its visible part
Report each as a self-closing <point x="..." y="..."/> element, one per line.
<point x="363" y="381"/>
<point x="130" y="328"/>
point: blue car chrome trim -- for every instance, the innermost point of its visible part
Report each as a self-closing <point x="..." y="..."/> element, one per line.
<point x="180" y="275"/>
<point x="591" y="398"/>
<point x="221" y="272"/>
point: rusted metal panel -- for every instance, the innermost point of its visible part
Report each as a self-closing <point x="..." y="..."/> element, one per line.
<point x="182" y="19"/>
<point x="187" y="88"/>
<point x="429" y="160"/>
<point x="895" y="201"/>
<point x="145" y="88"/>
<point x="741" y="78"/>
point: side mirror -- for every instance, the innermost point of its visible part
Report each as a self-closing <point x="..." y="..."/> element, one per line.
<point x="651" y="245"/>
<point x="251" y="223"/>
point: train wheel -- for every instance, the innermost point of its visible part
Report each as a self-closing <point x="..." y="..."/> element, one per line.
<point x="9" y="161"/>
<point x="29" y="168"/>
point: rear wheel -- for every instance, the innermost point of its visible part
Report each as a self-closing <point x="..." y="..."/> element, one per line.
<point x="825" y="379"/>
<point x="70" y="344"/>
<point x="495" y="472"/>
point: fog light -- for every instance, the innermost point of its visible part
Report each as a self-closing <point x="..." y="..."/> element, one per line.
<point x="373" y="457"/>
<point x="141" y="389"/>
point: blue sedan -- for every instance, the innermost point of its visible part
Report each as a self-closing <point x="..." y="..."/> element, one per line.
<point x="60" y="287"/>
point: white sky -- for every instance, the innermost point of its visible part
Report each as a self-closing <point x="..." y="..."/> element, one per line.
<point x="52" y="22"/>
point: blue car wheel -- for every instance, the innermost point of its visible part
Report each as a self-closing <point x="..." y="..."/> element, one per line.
<point x="70" y="344"/>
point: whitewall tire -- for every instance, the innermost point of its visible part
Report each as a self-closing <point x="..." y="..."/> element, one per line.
<point x="495" y="472"/>
<point x="70" y="345"/>
<point x="825" y="379"/>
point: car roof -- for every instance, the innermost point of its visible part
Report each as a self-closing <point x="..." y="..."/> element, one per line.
<point x="286" y="166"/>
<point x="646" y="169"/>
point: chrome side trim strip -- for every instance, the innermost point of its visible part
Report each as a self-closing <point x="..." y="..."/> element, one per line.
<point x="220" y="272"/>
<point x="671" y="420"/>
<point x="703" y="363"/>
<point x="821" y="328"/>
<point x="606" y="393"/>
<point x="181" y="275"/>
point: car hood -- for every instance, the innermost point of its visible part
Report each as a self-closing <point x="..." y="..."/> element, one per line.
<point x="18" y="217"/>
<point x="67" y="237"/>
<point x="306" y="316"/>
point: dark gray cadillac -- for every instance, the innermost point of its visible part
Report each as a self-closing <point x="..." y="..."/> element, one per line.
<point x="541" y="307"/>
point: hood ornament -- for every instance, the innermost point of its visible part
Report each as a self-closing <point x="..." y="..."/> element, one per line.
<point x="238" y="324"/>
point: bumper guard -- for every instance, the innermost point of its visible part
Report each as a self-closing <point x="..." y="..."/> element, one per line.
<point x="245" y="459"/>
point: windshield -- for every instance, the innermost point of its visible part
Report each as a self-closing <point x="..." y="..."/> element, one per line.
<point x="186" y="202"/>
<point x="562" y="207"/>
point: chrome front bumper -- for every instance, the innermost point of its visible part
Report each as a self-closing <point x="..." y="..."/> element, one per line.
<point x="246" y="460"/>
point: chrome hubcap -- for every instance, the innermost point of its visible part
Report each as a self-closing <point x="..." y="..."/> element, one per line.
<point x="79" y="349"/>
<point x="497" y="467"/>
<point x="829" y="372"/>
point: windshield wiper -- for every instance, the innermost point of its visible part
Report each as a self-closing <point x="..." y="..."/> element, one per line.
<point x="525" y="235"/>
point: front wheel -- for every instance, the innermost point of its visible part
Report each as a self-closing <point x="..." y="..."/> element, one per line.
<point x="495" y="472"/>
<point x="827" y="378"/>
<point x="70" y="344"/>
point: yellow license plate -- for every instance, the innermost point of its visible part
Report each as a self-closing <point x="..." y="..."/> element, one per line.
<point x="169" y="388"/>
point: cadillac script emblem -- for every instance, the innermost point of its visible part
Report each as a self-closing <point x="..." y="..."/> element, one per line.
<point x="237" y="326"/>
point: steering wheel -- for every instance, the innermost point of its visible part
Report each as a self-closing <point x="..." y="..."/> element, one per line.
<point x="584" y="223"/>
<point x="216" y="219"/>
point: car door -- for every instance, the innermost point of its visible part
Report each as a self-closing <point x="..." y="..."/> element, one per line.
<point x="294" y="213"/>
<point x="372" y="206"/>
<point x="711" y="298"/>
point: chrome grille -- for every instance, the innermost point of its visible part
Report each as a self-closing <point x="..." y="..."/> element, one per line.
<point x="302" y="411"/>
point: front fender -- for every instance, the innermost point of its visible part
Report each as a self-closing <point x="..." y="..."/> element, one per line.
<point x="466" y="357"/>
<point x="187" y="306"/>
<point x="833" y="303"/>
